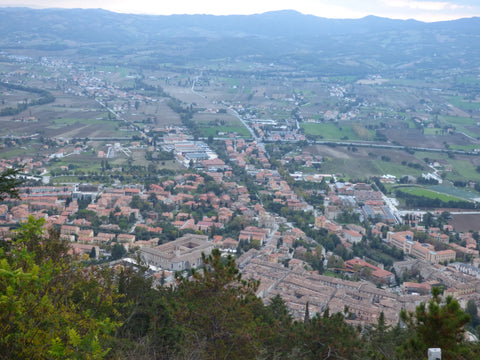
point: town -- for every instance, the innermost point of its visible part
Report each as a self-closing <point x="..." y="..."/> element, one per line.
<point x="350" y="246"/>
<point x="161" y="166"/>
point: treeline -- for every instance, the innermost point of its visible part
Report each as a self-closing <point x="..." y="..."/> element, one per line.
<point x="427" y="181"/>
<point x="419" y="201"/>
<point x="186" y="113"/>
<point x="140" y="85"/>
<point x="376" y="250"/>
<point x="45" y="98"/>
<point x="53" y="308"/>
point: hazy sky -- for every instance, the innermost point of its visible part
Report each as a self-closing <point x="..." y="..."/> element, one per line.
<point x="423" y="10"/>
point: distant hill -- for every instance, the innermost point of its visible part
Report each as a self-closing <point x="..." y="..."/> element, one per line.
<point x="302" y="41"/>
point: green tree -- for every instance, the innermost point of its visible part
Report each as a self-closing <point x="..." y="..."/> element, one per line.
<point x="9" y="182"/>
<point x="436" y="325"/>
<point x="217" y="309"/>
<point x="149" y="328"/>
<point x="326" y="337"/>
<point x="118" y="251"/>
<point x="276" y="333"/>
<point x="472" y="310"/>
<point x="49" y="307"/>
<point x="381" y="340"/>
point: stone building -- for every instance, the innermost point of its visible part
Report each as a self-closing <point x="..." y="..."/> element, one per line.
<point x="178" y="255"/>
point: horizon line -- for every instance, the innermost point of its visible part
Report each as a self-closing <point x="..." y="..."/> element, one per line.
<point x="40" y="8"/>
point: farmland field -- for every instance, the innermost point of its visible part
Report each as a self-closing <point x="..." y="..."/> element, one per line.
<point x="465" y="222"/>
<point x="457" y="167"/>
<point x="366" y="162"/>
<point x="459" y="102"/>
<point x="336" y="132"/>
<point x="417" y="191"/>
<point x="464" y="193"/>
<point x="216" y="124"/>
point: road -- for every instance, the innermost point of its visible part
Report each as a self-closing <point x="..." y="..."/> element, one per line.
<point x="393" y="209"/>
<point x="387" y="146"/>
<point x="272" y="234"/>
<point x="234" y="113"/>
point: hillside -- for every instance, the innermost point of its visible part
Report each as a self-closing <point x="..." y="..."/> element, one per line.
<point x="303" y="41"/>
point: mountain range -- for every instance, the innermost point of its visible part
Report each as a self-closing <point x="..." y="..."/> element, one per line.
<point x="304" y="42"/>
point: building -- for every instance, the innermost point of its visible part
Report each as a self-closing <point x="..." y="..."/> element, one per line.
<point x="416" y="288"/>
<point x="178" y="255"/>
<point x="403" y="241"/>
<point x="377" y="273"/>
<point x="126" y="238"/>
<point x="352" y="236"/>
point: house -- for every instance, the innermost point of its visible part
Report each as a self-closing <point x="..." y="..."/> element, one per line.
<point x="213" y="164"/>
<point x="126" y="238"/>
<point x="352" y="236"/>
<point x="85" y="236"/>
<point x="320" y="221"/>
<point x="69" y="230"/>
<point x="103" y="237"/>
<point x="79" y="249"/>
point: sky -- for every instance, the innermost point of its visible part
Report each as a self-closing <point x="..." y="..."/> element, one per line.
<point x="422" y="10"/>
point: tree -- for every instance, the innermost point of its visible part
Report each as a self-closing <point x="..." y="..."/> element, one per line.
<point x="326" y="337"/>
<point x="9" y="182"/>
<point x="276" y="335"/>
<point x="436" y="325"/>
<point x="149" y="328"/>
<point x="50" y="308"/>
<point x="118" y="251"/>
<point x="472" y="310"/>
<point x="306" y="318"/>
<point x="381" y="340"/>
<point x="217" y="308"/>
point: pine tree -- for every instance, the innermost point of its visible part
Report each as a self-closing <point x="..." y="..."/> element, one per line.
<point x="217" y="308"/>
<point x="326" y="337"/>
<point x="9" y="182"/>
<point x="437" y="324"/>
<point x="306" y="318"/>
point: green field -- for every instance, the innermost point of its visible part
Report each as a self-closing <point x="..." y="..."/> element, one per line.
<point x="417" y="191"/>
<point x="432" y="131"/>
<point x="337" y="132"/>
<point x="215" y="130"/>
<point x="463" y="170"/>
<point x="464" y="193"/>
<point x="457" y="120"/>
<point x="122" y="71"/>
<point x="89" y="127"/>
<point x="59" y="123"/>
<point x="462" y="167"/>
<point x="358" y="168"/>
<point x="80" y="162"/>
<point x="398" y="170"/>
<point x="8" y="154"/>
<point x="460" y="123"/>
<point x="470" y="147"/>
<point x="230" y="81"/>
<point x="459" y="102"/>
<point x="212" y="124"/>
